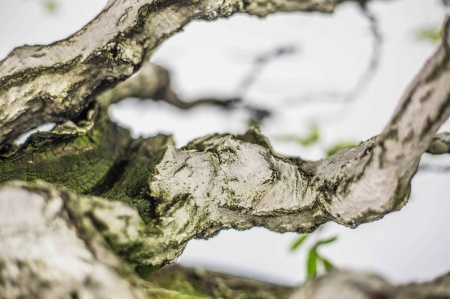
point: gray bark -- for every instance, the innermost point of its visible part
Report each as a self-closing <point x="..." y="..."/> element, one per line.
<point x="366" y="286"/>
<point x="140" y="201"/>
<point x="65" y="245"/>
<point x="54" y="83"/>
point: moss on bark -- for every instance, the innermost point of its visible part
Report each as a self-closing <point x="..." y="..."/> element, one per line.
<point x="199" y="283"/>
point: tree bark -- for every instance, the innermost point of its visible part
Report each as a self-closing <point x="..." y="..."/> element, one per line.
<point x="57" y="82"/>
<point x="114" y="207"/>
<point x="65" y="245"/>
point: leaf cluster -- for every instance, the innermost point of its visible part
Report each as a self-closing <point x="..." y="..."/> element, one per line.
<point x="315" y="259"/>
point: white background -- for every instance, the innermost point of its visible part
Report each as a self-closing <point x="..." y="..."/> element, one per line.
<point x="333" y="50"/>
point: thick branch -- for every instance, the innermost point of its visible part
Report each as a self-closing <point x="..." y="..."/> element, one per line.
<point x="367" y="286"/>
<point x="223" y="181"/>
<point x="208" y="284"/>
<point x="53" y="248"/>
<point x="55" y="83"/>
<point x="216" y="182"/>
<point x="88" y="233"/>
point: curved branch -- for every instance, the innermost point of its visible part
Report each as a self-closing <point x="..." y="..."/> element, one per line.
<point x="365" y="286"/>
<point x="238" y="184"/>
<point x="69" y="257"/>
<point x="224" y="181"/>
<point x="55" y="83"/>
<point x="363" y="80"/>
<point x="150" y="82"/>
<point x="153" y="82"/>
<point x="88" y="233"/>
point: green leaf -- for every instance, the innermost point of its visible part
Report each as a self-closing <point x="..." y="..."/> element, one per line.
<point x="50" y="6"/>
<point x="338" y="146"/>
<point x="325" y="241"/>
<point x="429" y="34"/>
<point x="312" y="137"/>
<point x="311" y="264"/>
<point x="327" y="264"/>
<point x="296" y="244"/>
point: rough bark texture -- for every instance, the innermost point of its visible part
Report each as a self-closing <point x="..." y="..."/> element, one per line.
<point x="119" y="206"/>
<point x="368" y="286"/>
<point x="65" y="245"/>
<point x="337" y="284"/>
<point x="53" y="248"/>
<point x="54" y="83"/>
<point x="440" y="144"/>
<point x="201" y="283"/>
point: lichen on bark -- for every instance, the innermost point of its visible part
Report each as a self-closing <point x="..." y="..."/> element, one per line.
<point x="125" y="206"/>
<point x="54" y="83"/>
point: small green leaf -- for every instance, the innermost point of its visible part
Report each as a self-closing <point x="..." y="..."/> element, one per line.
<point x="50" y="6"/>
<point x="312" y="137"/>
<point x="311" y="264"/>
<point x="299" y="241"/>
<point x="429" y="34"/>
<point x="338" y="146"/>
<point x="325" y="241"/>
<point x="327" y="264"/>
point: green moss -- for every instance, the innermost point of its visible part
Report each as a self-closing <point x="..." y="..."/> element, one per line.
<point x="203" y="284"/>
<point x="146" y="270"/>
<point x="105" y="162"/>
<point x="158" y="293"/>
<point x="77" y="162"/>
<point x="131" y="185"/>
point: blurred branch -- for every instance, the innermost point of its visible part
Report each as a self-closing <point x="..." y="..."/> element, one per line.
<point x="209" y="284"/>
<point x="369" y="286"/>
<point x="260" y="63"/>
<point x="440" y="144"/>
<point x="363" y="80"/>
<point x="56" y="82"/>
<point x="153" y="82"/>
<point x="367" y="76"/>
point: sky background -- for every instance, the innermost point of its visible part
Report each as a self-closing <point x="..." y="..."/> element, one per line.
<point x="332" y="51"/>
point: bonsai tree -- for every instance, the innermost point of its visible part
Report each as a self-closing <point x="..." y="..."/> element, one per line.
<point x="88" y="211"/>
